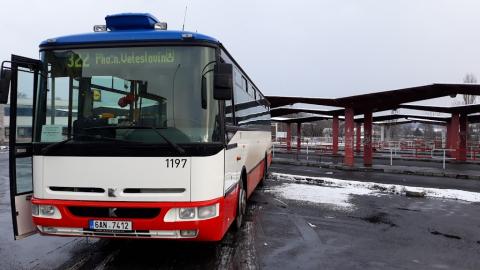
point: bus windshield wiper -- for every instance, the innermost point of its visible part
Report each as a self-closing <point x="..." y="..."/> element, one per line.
<point x="56" y="145"/>
<point x="171" y="143"/>
<point x="175" y="146"/>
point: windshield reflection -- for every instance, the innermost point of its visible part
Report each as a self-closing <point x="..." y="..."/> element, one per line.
<point x="136" y="90"/>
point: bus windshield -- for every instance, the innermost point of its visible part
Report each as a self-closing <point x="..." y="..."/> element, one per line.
<point x="136" y="94"/>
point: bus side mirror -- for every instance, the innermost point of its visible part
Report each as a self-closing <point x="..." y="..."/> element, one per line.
<point x="5" y="76"/>
<point x="223" y="82"/>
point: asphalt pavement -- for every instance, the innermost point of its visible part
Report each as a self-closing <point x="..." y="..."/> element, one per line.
<point x="378" y="232"/>
<point x="385" y="232"/>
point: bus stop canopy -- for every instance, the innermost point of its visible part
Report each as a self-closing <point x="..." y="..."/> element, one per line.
<point x="370" y="103"/>
<point x="381" y="101"/>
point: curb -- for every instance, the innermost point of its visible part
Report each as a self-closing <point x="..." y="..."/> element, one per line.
<point x="393" y="170"/>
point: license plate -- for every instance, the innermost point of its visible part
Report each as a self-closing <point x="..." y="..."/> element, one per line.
<point x="110" y="225"/>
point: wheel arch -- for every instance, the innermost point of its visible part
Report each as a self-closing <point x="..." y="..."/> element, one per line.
<point x="243" y="177"/>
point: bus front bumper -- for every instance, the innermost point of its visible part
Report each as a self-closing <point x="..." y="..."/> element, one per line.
<point x="153" y="220"/>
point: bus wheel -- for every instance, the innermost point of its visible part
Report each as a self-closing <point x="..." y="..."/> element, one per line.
<point x="241" y="207"/>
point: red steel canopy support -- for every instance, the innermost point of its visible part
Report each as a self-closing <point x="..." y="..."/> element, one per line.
<point x="349" y="158"/>
<point x="454" y="134"/>
<point x="289" y="136"/>
<point x="299" y="137"/>
<point x="335" y="131"/>
<point x="358" y="137"/>
<point x="462" y="143"/>
<point x="367" y="139"/>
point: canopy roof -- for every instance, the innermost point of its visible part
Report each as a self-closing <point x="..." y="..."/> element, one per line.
<point x="468" y="109"/>
<point x="381" y="101"/>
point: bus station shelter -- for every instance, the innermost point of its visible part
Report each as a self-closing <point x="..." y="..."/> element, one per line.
<point x="363" y="106"/>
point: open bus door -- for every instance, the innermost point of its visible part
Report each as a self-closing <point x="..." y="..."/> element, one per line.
<point x="22" y="78"/>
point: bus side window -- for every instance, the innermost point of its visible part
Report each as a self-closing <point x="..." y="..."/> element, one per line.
<point x="229" y="113"/>
<point x="244" y="84"/>
<point x="57" y="106"/>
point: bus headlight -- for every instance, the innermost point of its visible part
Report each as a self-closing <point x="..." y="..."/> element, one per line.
<point x="207" y="211"/>
<point x="192" y="213"/>
<point x="46" y="211"/>
<point x="186" y="213"/>
<point x="188" y="233"/>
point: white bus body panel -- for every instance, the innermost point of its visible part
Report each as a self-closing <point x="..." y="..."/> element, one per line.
<point x="25" y="226"/>
<point x="256" y="145"/>
<point x="207" y="177"/>
<point x="251" y="148"/>
<point x="119" y="173"/>
<point x="233" y="166"/>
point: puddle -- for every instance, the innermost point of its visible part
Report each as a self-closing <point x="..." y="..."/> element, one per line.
<point x="451" y="236"/>
<point x="379" y="218"/>
<point x="408" y="209"/>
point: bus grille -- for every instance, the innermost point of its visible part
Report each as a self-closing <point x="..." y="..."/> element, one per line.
<point x="115" y="212"/>
<point x="78" y="189"/>
<point x="130" y="234"/>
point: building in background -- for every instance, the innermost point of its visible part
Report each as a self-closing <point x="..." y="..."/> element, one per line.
<point x="24" y="118"/>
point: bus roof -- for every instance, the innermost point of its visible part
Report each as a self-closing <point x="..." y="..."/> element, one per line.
<point x="128" y="28"/>
<point x="132" y="28"/>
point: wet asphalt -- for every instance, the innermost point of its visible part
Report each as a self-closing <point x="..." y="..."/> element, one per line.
<point x="380" y="232"/>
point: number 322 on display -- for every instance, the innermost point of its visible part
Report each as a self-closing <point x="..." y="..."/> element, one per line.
<point x="78" y="61"/>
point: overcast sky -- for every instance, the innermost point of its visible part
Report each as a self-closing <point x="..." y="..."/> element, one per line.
<point x="295" y="48"/>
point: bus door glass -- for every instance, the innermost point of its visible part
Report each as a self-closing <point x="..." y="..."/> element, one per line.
<point x="23" y="88"/>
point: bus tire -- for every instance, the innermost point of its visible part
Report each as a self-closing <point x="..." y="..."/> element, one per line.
<point x="241" y="206"/>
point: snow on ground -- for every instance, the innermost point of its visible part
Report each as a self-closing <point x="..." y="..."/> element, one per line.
<point x="337" y="192"/>
<point x="337" y="197"/>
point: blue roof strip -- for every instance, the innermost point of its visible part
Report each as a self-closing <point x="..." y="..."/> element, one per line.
<point x="127" y="28"/>
<point x="129" y="21"/>
<point x="124" y="36"/>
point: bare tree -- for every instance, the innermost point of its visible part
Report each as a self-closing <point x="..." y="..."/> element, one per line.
<point x="393" y="131"/>
<point x="469" y="78"/>
<point x="470" y="99"/>
<point x="428" y="132"/>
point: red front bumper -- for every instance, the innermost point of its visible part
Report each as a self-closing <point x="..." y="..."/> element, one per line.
<point x="208" y="230"/>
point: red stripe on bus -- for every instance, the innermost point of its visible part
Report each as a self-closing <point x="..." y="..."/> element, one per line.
<point x="208" y="230"/>
<point x="256" y="174"/>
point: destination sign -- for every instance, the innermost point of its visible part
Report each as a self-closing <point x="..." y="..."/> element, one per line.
<point x="86" y="60"/>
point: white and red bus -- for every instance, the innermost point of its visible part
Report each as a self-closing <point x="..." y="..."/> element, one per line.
<point x="137" y="132"/>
